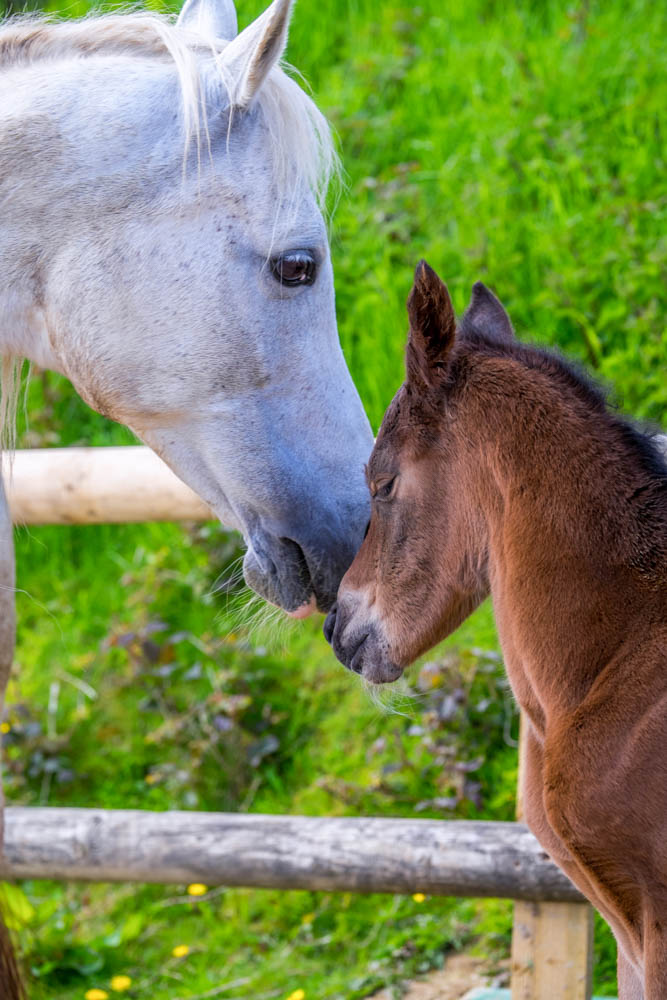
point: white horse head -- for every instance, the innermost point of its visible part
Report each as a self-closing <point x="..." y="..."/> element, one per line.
<point x="162" y="245"/>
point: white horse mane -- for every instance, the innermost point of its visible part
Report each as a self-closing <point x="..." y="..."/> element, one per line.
<point x="303" y="149"/>
<point x="300" y="132"/>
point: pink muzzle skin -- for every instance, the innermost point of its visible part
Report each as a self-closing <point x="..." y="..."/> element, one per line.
<point x="305" y="610"/>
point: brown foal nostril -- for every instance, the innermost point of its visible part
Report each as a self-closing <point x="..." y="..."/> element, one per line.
<point x="330" y="624"/>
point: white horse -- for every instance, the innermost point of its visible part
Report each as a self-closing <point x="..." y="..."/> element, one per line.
<point x="162" y="245"/>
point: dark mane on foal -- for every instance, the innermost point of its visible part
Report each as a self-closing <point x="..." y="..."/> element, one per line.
<point x="575" y="379"/>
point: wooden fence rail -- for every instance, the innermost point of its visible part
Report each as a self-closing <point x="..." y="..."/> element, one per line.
<point x="457" y="858"/>
<point x="96" y="486"/>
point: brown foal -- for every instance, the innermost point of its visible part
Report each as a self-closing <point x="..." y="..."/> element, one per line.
<point x="498" y="469"/>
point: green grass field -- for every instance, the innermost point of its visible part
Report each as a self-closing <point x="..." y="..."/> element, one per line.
<point x="521" y="144"/>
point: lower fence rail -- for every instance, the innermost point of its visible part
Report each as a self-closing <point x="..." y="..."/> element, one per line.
<point x="443" y="858"/>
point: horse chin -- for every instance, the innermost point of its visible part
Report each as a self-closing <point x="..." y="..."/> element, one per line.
<point x="362" y="647"/>
<point x="381" y="672"/>
<point x="305" y="610"/>
<point x="372" y="661"/>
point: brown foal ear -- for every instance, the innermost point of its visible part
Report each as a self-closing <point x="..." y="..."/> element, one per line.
<point x="486" y="315"/>
<point x="432" y="326"/>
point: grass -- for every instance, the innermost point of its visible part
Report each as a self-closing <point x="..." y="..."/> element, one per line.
<point x="522" y="144"/>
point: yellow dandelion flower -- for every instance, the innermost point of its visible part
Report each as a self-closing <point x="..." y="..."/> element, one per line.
<point x="5" y="727"/>
<point x="120" y="983"/>
<point x="197" y="889"/>
<point x="308" y="919"/>
<point x="419" y="897"/>
<point x="297" y="995"/>
<point x="180" y="951"/>
<point x="150" y="779"/>
<point x="96" y="994"/>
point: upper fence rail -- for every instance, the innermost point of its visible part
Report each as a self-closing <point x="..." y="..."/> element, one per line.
<point x="102" y="486"/>
<point x="96" y="486"/>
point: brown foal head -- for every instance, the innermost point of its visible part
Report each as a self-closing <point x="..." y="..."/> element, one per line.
<point x="422" y="567"/>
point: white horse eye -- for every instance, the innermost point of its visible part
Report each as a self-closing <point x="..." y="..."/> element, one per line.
<point x="297" y="267"/>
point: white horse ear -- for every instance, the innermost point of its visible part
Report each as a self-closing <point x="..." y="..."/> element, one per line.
<point x="210" y="18"/>
<point x="249" y="58"/>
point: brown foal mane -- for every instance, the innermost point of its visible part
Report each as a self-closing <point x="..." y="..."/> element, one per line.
<point x="634" y="445"/>
<point x="639" y="439"/>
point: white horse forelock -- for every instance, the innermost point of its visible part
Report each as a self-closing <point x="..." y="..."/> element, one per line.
<point x="304" y="153"/>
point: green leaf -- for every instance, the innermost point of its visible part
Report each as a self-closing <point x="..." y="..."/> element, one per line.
<point x="15" y="906"/>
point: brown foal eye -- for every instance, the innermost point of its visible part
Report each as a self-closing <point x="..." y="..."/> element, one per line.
<point x="384" y="490"/>
<point x="297" y="267"/>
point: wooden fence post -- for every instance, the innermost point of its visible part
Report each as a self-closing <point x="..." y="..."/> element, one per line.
<point x="552" y="943"/>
